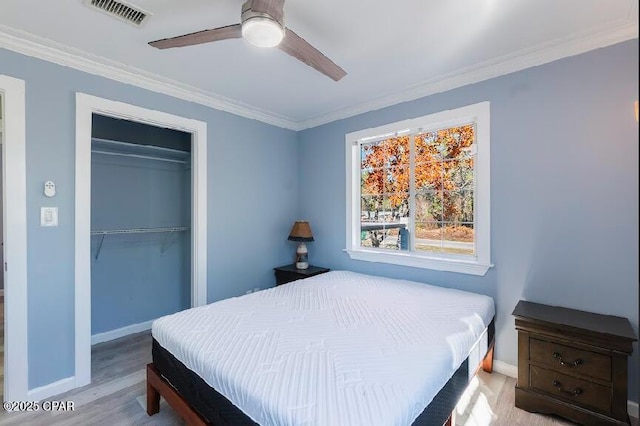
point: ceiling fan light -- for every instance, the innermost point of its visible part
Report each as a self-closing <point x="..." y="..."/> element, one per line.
<point x="262" y="31"/>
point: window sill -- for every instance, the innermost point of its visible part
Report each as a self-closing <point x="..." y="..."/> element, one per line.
<point x="405" y="259"/>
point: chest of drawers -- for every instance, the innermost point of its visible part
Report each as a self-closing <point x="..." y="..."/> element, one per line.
<point x="573" y="363"/>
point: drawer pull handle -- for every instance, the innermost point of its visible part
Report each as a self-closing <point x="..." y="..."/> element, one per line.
<point x="575" y="363"/>
<point x="575" y="392"/>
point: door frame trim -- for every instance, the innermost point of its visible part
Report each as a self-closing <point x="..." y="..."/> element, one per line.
<point x="14" y="203"/>
<point x="86" y="106"/>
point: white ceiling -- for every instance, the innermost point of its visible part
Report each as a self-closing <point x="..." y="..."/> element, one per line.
<point x="391" y="50"/>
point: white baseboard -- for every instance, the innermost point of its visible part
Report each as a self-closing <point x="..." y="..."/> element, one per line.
<point x="632" y="409"/>
<point x="512" y="371"/>
<point x="121" y="332"/>
<point x="506" y="369"/>
<point x="55" y="388"/>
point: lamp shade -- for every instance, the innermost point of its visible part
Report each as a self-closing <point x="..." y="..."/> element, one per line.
<point x="301" y="231"/>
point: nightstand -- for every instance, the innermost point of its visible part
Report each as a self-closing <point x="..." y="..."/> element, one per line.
<point x="288" y="273"/>
<point x="573" y="363"/>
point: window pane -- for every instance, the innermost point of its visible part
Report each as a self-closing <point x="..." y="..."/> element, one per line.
<point x="428" y="237"/>
<point x="455" y="142"/>
<point x="442" y="237"/>
<point x="457" y="174"/>
<point x="396" y="207"/>
<point x="429" y="207"/>
<point x="451" y="143"/>
<point x="464" y="153"/>
<point x="382" y="237"/>
<point x="382" y="219"/>
<point x="458" y="206"/>
<point x="372" y="181"/>
<point x="393" y="208"/>
<point x="464" y="135"/>
<point x="372" y="155"/>
<point x="397" y="150"/>
<point x="370" y="207"/>
<point x="458" y="238"/>
<point x="369" y="239"/>
<point x="396" y="180"/>
<point x="429" y="176"/>
<point x="426" y="149"/>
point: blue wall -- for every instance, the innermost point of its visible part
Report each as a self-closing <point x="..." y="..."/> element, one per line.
<point x="252" y="200"/>
<point x="132" y="280"/>
<point x="564" y="193"/>
<point x="564" y="189"/>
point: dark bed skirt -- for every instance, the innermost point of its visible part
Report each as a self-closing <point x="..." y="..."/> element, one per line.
<point x="218" y="410"/>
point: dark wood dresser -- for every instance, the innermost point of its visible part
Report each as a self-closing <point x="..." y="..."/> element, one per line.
<point x="573" y="363"/>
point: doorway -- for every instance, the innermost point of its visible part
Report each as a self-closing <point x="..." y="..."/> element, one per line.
<point x="14" y="239"/>
<point x="86" y="107"/>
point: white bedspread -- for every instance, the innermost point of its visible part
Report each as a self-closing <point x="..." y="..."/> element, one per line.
<point x="340" y="348"/>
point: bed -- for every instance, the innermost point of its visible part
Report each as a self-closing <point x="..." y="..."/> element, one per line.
<point x="341" y="348"/>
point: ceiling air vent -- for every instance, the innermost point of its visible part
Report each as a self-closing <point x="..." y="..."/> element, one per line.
<point x="120" y="10"/>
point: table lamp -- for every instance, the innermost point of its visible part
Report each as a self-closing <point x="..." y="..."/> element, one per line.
<point x="301" y="232"/>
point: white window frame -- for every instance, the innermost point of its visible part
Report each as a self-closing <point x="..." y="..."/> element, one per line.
<point x="479" y="264"/>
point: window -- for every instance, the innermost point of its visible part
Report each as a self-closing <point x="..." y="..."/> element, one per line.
<point x="418" y="192"/>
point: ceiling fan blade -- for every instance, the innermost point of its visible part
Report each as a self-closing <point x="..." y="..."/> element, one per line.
<point x="274" y="8"/>
<point x="206" y="36"/>
<point x="298" y="47"/>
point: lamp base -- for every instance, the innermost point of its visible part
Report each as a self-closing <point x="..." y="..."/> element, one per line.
<point x="302" y="260"/>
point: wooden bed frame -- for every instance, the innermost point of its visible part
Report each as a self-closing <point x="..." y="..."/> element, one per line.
<point x="157" y="386"/>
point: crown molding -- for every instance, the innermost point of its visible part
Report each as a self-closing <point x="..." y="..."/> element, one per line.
<point x="38" y="47"/>
<point x="517" y="61"/>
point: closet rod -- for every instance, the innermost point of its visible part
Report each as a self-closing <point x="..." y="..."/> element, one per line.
<point x="145" y="157"/>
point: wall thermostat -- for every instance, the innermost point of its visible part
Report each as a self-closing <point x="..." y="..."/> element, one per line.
<point x="49" y="188"/>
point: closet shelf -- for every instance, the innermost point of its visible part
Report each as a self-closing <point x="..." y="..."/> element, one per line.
<point x="139" y="230"/>
<point x="165" y="244"/>
<point x="148" y="152"/>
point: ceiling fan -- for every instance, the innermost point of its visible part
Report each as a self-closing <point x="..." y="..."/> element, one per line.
<point x="262" y="24"/>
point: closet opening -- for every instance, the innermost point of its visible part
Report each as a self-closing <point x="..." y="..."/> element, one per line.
<point x="140" y="225"/>
<point x="140" y="222"/>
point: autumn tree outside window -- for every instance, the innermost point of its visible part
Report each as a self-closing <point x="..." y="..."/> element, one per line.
<point x="418" y="192"/>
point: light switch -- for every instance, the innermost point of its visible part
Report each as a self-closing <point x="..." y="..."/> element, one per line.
<point x="48" y="216"/>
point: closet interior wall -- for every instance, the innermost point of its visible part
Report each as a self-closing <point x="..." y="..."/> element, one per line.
<point x="140" y="222"/>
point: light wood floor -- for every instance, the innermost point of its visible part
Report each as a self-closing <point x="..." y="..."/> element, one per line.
<point x="115" y="396"/>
